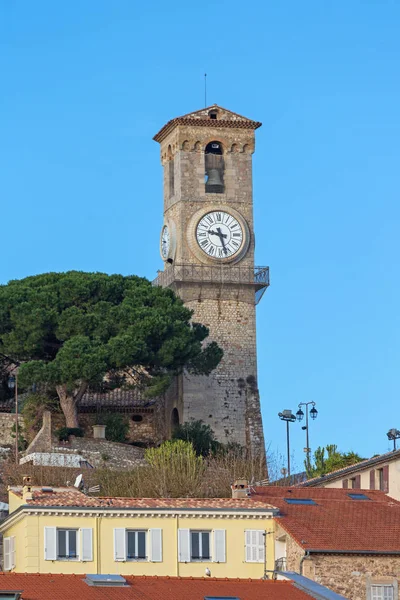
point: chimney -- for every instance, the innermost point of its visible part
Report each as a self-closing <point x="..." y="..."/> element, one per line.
<point x="27" y="488"/>
<point x="240" y="489"/>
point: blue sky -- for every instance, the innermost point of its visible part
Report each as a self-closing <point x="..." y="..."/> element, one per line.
<point x="85" y="86"/>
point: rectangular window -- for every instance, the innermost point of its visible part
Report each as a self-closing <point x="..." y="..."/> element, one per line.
<point x="67" y="546"/>
<point x="255" y="545"/>
<point x="381" y="485"/>
<point x="136" y="545"/>
<point x="352" y="481"/>
<point x="382" y="592"/>
<point x="200" y="545"/>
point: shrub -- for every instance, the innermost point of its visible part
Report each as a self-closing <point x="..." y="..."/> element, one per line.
<point x="117" y="426"/>
<point x="33" y="409"/>
<point x="200" y="435"/>
<point x="64" y="433"/>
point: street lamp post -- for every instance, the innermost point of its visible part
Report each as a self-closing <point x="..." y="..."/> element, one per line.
<point x="13" y="385"/>
<point x="300" y="416"/>
<point x="289" y="417"/>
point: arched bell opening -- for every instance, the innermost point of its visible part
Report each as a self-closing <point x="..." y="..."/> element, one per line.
<point x="214" y="168"/>
<point x="174" y="420"/>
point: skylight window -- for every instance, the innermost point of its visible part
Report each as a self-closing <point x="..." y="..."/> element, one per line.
<point x="221" y="598"/>
<point x="105" y="581"/>
<point x="358" y="497"/>
<point x="306" y="501"/>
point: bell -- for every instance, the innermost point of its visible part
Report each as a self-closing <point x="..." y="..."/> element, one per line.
<point x="214" y="178"/>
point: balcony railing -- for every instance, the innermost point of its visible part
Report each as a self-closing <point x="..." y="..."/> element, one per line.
<point x="223" y="274"/>
<point x="280" y="564"/>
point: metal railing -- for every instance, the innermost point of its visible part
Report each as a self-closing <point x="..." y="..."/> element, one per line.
<point x="223" y="274"/>
<point x="280" y="564"/>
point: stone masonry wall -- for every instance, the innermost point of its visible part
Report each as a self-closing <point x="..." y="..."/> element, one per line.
<point x="7" y="422"/>
<point x="350" y="575"/>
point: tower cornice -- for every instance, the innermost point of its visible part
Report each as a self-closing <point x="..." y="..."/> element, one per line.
<point x="201" y="118"/>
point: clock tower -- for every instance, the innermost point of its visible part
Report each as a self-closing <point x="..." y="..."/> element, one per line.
<point x="207" y="244"/>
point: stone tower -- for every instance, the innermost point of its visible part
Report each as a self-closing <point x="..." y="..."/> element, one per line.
<point x="207" y="244"/>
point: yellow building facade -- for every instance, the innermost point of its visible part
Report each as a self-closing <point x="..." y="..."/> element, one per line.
<point x="65" y="531"/>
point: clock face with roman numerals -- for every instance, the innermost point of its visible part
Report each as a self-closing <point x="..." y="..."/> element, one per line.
<point x="219" y="234"/>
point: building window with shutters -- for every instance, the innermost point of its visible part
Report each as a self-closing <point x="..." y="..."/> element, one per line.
<point x="255" y="545"/>
<point x="381" y="485"/>
<point x="200" y="545"/>
<point x="67" y="544"/>
<point x="381" y="591"/>
<point x="136" y="545"/>
<point x="8" y="553"/>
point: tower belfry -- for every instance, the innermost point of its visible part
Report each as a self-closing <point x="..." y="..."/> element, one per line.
<point x="207" y="244"/>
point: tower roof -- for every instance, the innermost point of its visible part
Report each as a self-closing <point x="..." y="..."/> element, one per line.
<point x="201" y="118"/>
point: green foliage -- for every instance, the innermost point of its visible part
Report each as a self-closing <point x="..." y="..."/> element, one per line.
<point x="33" y="408"/>
<point x="71" y="329"/>
<point x="22" y="442"/>
<point x="64" y="433"/>
<point x="333" y="461"/>
<point x="117" y="426"/>
<point x="175" y="466"/>
<point x="200" y="435"/>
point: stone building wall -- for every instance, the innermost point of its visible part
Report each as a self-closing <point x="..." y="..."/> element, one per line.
<point x="351" y="575"/>
<point x="7" y="423"/>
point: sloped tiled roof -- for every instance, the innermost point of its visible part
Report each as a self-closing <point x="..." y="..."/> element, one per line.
<point x="200" y="118"/>
<point x="73" y="498"/>
<point x="336" y="522"/>
<point x="364" y="464"/>
<point x="62" y="587"/>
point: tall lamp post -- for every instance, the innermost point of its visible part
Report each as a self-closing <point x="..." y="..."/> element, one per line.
<point x="300" y="417"/>
<point x="289" y="417"/>
<point x="13" y="385"/>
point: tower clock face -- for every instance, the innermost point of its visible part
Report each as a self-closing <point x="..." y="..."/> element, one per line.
<point x="165" y="242"/>
<point x="219" y="234"/>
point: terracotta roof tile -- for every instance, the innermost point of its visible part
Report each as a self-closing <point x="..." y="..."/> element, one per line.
<point x="62" y="587"/>
<point x="72" y="497"/>
<point x="336" y="522"/>
<point x="200" y="118"/>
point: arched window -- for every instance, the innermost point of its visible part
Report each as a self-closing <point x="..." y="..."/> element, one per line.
<point x="174" y="420"/>
<point x="214" y="168"/>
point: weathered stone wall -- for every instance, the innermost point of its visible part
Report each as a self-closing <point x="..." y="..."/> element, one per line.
<point x="144" y="431"/>
<point x="228" y="399"/>
<point x="7" y="423"/>
<point x="350" y="575"/>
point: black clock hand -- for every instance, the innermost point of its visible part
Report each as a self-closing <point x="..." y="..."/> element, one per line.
<point x="218" y="233"/>
<point x="221" y="237"/>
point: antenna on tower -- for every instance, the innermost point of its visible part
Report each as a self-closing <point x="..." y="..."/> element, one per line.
<point x="205" y="90"/>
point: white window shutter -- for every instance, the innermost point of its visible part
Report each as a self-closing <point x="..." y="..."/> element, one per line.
<point x="86" y="554"/>
<point x="261" y="546"/>
<point x="183" y="545"/>
<point x="248" y="553"/>
<point x="12" y="552"/>
<point x="156" y="545"/>
<point x="50" y="543"/>
<point x="219" y="554"/>
<point x="119" y="544"/>
<point x="6" y="554"/>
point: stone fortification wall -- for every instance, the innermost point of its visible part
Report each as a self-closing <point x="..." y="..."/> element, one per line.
<point x="7" y="423"/>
